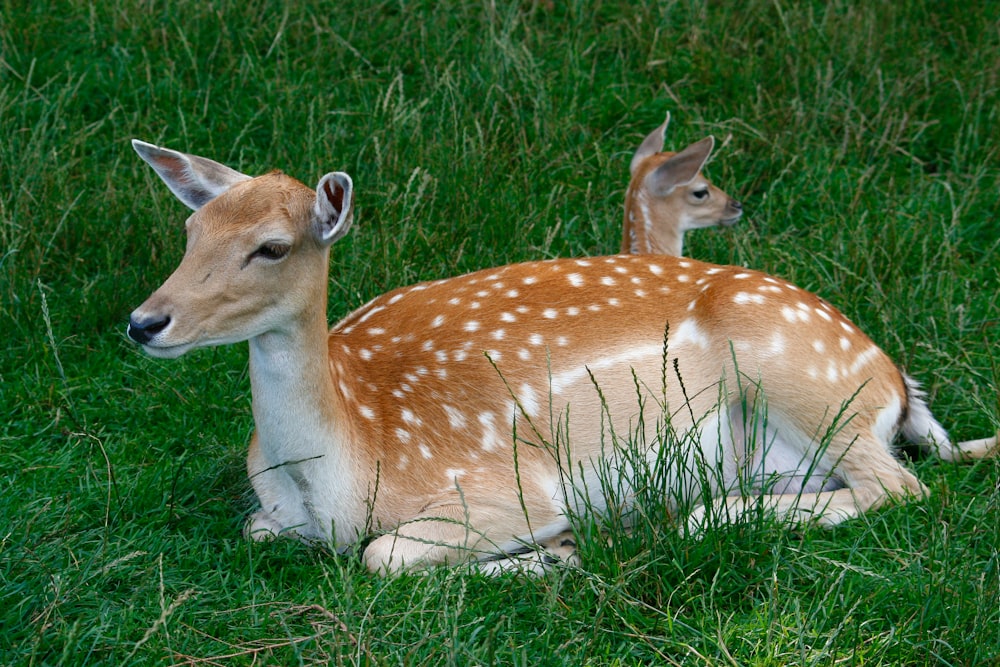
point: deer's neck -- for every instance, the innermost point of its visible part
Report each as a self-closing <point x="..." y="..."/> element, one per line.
<point x="294" y="397"/>
<point x="646" y="232"/>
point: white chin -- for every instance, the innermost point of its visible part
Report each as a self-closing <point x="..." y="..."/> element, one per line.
<point x="171" y="352"/>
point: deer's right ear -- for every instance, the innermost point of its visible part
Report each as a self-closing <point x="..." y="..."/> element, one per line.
<point x="651" y="145"/>
<point x="334" y="208"/>
<point x="194" y="180"/>
<point x="681" y="169"/>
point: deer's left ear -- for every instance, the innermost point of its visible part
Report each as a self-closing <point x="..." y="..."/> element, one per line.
<point x="333" y="211"/>
<point x="681" y="169"/>
<point x="651" y="145"/>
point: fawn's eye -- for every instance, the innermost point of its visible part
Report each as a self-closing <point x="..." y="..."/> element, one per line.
<point x="271" y="251"/>
<point x="700" y="195"/>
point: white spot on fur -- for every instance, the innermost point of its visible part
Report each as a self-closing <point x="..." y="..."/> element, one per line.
<point x="743" y="298"/>
<point x="777" y="345"/>
<point x="688" y="332"/>
<point x="471" y="325"/>
<point x="488" y="421"/>
<point x="366" y="412"/>
<point x="437" y="321"/>
<point x="529" y="400"/>
<point x="656" y="269"/>
<point x="403" y="435"/>
<point x="456" y="418"/>
<point x="425" y="451"/>
<point x="550" y="313"/>
<point x="507" y="317"/>
<point x="863" y="359"/>
<point x="535" y="339"/>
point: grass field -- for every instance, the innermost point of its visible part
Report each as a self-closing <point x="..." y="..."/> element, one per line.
<point x="862" y="138"/>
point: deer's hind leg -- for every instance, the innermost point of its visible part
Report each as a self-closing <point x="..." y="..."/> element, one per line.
<point x="865" y="470"/>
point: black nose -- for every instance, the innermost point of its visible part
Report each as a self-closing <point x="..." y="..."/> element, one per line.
<point x="142" y="330"/>
<point x="735" y="204"/>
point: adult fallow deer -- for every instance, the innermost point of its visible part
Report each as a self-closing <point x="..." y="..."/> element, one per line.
<point x="466" y="417"/>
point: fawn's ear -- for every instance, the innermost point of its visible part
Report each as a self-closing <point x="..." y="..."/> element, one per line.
<point x="333" y="211"/>
<point x="194" y="180"/>
<point x="681" y="169"/>
<point x="651" y="145"/>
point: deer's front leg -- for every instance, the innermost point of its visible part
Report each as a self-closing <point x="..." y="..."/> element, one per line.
<point x="282" y="505"/>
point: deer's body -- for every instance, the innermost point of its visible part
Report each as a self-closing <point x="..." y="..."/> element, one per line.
<point x="668" y="195"/>
<point x="401" y="420"/>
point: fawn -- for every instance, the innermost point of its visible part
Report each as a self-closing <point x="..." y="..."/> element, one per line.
<point x="667" y="196"/>
<point x="465" y="418"/>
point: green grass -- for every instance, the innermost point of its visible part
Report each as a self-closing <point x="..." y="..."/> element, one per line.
<point x="861" y="136"/>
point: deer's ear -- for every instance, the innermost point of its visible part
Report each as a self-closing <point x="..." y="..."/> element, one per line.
<point x="651" y="145"/>
<point x="681" y="169"/>
<point x="194" y="180"/>
<point x="333" y="211"/>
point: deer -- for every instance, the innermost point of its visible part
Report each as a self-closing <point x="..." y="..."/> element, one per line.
<point x="667" y="195"/>
<point x="464" y="419"/>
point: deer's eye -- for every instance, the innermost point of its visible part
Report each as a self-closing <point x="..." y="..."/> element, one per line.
<point x="271" y="251"/>
<point x="700" y="195"/>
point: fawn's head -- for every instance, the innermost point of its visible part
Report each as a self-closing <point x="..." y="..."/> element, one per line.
<point x="668" y="195"/>
<point x="249" y="241"/>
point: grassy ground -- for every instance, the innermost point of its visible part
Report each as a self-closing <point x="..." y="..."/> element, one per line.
<point x="861" y="136"/>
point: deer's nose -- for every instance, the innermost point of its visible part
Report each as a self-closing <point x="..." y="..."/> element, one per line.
<point x="143" y="329"/>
